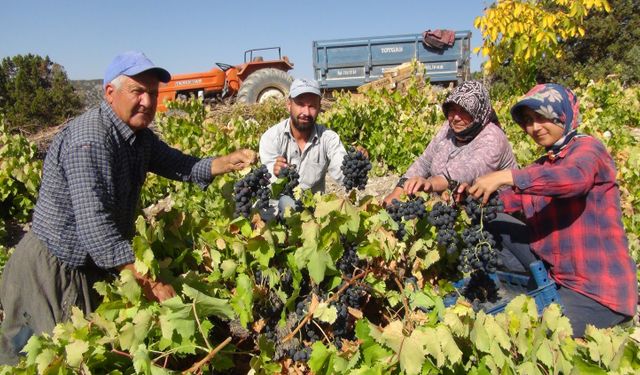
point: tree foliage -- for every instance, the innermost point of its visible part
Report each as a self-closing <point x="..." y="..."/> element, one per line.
<point x="35" y="93"/>
<point x="523" y="32"/>
<point x="609" y="46"/>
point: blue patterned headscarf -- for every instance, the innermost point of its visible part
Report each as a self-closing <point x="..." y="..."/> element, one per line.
<point x="554" y="102"/>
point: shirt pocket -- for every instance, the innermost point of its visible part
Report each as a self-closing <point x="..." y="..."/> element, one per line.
<point x="312" y="173"/>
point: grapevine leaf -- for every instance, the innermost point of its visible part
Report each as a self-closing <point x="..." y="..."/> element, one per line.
<point x="242" y="300"/>
<point x="128" y="286"/>
<point x="207" y="305"/>
<point x="262" y="250"/>
<point x="310" y="240"/>
<point x="392" y="335"/>
<point x="133" y="334"/>
<point x="75" y="351"/>
<point x="544" y="354"/>
<point x="319" y="362"/>
<point x="318" y="263"/>
<point x="448" y="344"/>
<point x="326" y="313"/>
<point x="47" y="360"/>
<point x="412" y="354"/>
<point x="329" y="207"/>
<point x="479" y="335"/>
<point x="228" y="267"/>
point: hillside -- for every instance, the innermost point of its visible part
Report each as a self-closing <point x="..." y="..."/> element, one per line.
<point x="90" y="91"/>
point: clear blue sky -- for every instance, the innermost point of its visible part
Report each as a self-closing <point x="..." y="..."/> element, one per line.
<point x="190" y="36"/>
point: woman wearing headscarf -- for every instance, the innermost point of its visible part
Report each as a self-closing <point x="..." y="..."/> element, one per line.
<point x="469" y="144"/>
<point x="571" y="205"/>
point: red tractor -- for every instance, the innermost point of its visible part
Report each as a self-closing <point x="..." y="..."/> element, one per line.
<point x="254" y="81"/>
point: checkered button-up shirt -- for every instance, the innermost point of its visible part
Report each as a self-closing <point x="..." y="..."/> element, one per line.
<point x="91" y="182"/>
<point x="572" y="206"/>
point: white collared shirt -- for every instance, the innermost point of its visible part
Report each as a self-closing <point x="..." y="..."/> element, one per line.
<point x="322" y="154"/>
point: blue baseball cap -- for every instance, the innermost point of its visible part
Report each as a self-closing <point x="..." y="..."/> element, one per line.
<point x="130" y="64"/>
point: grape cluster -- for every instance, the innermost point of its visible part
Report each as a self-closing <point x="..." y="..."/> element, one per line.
<point x="483" y="213"/>
<point x="355" y="167"/>
<point x="293" y="179"/>
<point x="411" y="209"/>
<point x="349" y="261"/>
<point x="443" y="217"/>
<point x="254" y="187"/>
<point x="343" y="325"/>
<point x="480" y="289"/>
<point x="479" y="251"/>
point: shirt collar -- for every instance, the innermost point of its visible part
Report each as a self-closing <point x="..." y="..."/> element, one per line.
<point x="127" y="133"/>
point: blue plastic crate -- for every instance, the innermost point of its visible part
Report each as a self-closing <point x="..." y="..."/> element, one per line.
<point x="511" y="284"/>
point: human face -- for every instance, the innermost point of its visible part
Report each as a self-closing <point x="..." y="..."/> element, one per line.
<point x="543" y="131"/>
<point x="134" y="99"/>
<point x="304" y="110"/>
<point x="459" y="119"/>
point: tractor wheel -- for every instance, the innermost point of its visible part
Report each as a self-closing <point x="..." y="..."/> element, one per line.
<point x="264" y="84"/>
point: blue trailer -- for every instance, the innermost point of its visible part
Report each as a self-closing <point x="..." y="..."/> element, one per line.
<point x="349" y="63"/>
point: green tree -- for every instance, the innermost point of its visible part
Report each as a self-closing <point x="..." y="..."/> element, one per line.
<point x="35" y="93"/>
<point x="610" y="46"/>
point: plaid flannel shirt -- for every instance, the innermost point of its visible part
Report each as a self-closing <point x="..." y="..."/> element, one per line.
<point x="572" y="206"/>
<point x="91" y="182"/>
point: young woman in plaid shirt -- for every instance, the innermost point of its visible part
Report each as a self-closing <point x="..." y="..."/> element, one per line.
<point x="571" y="206"/>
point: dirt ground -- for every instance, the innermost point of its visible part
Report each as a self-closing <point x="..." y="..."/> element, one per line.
<point x="377" y="186"/>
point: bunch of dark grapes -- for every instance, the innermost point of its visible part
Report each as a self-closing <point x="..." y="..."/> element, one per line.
<point x="343" y="327"/>
<point x="483" y="213"/>
<point x="349" y="261"/>
<point x="479" y="251"/>
<point x="253" y="187"/>
<point x="355" y="167"/>
<point x="399" y="211"/>
<point x="443" y="217"/>
<point x="293" y="179"/>
<point x="480" y="289"/>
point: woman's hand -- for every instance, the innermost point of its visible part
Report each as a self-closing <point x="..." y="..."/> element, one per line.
<point x="486" y="185"/>
<point x="416" y="184"/>
<point x="395" y="194"/>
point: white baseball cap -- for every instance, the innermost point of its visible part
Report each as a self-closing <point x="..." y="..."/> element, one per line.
<point x="303" y="86"/>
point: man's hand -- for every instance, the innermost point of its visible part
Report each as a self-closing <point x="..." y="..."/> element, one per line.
<point x="395" y="194"/>
<point x="416" y="184"/>
<point x="153" y="290"/>
<point x="157" y="290"/>
<point x="234" y="161"/>
<point x="363" y="150"/>
<point x="486" y="185"/>
<point x="279" y="164"/>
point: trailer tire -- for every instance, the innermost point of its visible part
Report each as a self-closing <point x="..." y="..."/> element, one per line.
<point x="264" y="84"/>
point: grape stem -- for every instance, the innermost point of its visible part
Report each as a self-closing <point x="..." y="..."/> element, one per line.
<point x="196" y="368"/>
<point x="331" y="299"/>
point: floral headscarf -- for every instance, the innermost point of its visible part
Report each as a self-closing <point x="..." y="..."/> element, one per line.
<point x="474" y="98"/>
<point x="554" y="102"/>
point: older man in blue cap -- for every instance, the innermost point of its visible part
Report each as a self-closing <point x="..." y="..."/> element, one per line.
<point x="84" y="217"/>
